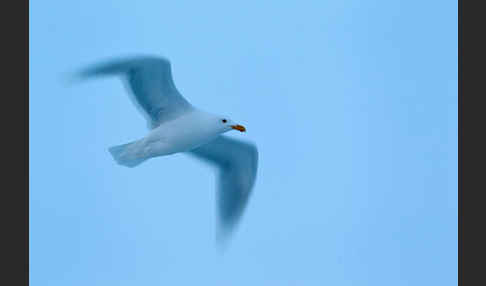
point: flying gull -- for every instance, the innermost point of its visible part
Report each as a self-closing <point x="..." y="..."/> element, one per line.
<point x="177" y="126"/>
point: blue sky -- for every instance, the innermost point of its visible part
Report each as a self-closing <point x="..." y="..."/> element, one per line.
<point x="353" y="106"/>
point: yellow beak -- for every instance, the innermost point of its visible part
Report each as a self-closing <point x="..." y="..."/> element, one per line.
<point x="238" y="127"/>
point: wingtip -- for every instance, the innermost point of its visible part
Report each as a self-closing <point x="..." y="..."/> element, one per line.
<point x="223" y="238"/>
<point x="71" y="78"/>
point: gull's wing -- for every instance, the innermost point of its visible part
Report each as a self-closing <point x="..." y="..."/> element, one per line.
<point x="150" y="81"/>
<point x="237" y="163"/>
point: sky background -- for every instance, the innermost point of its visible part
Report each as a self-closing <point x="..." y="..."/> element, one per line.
<point x="353" y="107"/>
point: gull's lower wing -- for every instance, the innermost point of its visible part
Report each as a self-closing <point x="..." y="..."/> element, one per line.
<point x="237" y="163"/>
<point x="150" y="80"/>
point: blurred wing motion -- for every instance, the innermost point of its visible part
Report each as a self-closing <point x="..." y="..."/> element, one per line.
<point x="150" y="80"/>
<point x="237" y="162"/>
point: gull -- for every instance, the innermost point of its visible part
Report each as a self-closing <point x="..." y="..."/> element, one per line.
<point x="177" y="126"/>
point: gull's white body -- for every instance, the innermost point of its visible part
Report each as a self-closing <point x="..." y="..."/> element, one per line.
<point x="184" y="133"/>
<point x="177" y="126"/>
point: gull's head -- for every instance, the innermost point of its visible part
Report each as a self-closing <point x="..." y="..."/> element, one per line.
<point x="228" y="124"/>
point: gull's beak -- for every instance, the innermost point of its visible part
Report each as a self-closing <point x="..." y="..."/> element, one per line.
<point x="238" y="127"/>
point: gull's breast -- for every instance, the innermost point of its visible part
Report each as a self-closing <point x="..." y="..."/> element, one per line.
<point x="180" y="135"/>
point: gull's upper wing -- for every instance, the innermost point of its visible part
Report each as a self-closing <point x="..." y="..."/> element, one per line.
<point x="150" y="80"/>
<point x="237" y="163"/>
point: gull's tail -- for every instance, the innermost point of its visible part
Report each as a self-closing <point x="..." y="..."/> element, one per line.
<point x="126" y="155"/>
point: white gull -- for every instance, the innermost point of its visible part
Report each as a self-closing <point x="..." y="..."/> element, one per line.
<point x="177" y="126"/>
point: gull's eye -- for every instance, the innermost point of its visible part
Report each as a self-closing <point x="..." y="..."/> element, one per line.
<point x="224" y="120"/>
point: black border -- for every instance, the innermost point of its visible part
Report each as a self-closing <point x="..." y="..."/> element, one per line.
<point x="460" y="34"/>
<point x="14" y="119"/>
<point x="471" y="144"/>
